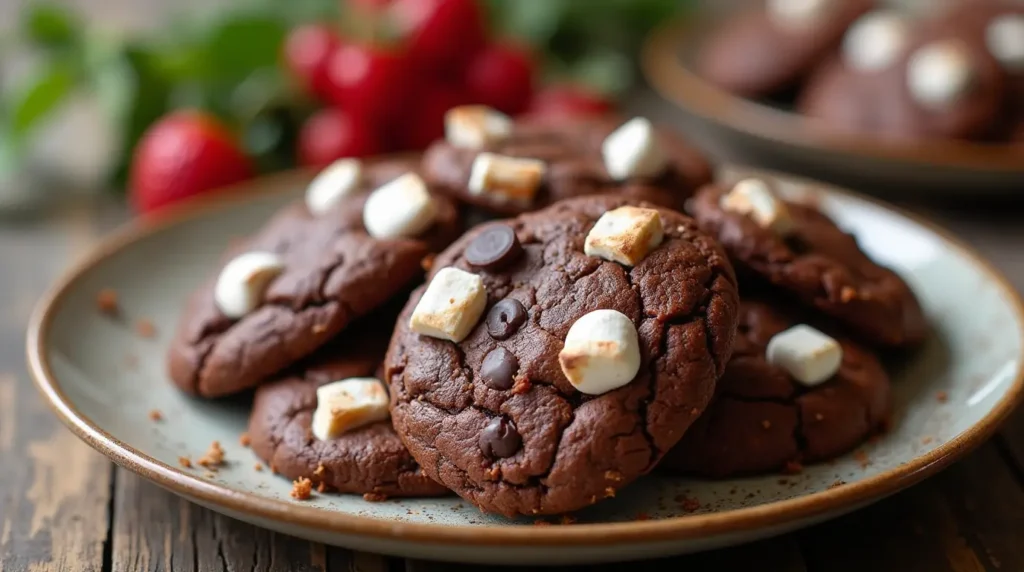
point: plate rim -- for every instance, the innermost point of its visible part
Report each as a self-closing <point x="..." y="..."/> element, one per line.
<point x="678" y="528"/>
<point x="683" y="87"/>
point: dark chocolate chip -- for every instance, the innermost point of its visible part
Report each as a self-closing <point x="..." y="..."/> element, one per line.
<point x="495" y="248"/>
<point x="500" y="438"/>
<point x="498" y="368"/>
<point x="505" y="318"/>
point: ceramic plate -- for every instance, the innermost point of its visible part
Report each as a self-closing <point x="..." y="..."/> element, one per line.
<point x="102" y="379"/>
<point x="772" y="136"/>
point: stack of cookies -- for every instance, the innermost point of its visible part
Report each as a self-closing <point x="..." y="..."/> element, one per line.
<point x="537" y="364"/>
<point x="954" y="70"/>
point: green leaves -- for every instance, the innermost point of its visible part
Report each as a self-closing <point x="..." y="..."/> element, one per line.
<point x="51" y="26"/>
<point x="38" y="98"/>
<point x="243" y="44"/>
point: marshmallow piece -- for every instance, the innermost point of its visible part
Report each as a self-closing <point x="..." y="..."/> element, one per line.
<point x="1005" y="39"/>
<point x="601" y="352"/>
<point x="875" y="41"/>
<point x="507" y="179"/>
<point x="475" y="126"/>
<point x="798" y="13"/>
<point x="402" y="207"/>
<point x="810" y="356"/>
<point x="754" y="198"/>
<point x="347" y="404"/>
<point x="339" y="179"/>
<point x="451" y="305"/>
<point x="940" y="73"/>
<point x="242" y="282"/>
<point x="633" y="150"/>
<point x="625" y="235"/>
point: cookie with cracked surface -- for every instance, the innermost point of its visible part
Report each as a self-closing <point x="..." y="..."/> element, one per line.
<point x="496" y="418"/>
<point x="762" y="418"/>
<point x="819" y="264"/>
<point x="768" y="49"/>
<point x="571" y="151"/>
<point x="368" y="460"/>
<point x="329" y="271"/>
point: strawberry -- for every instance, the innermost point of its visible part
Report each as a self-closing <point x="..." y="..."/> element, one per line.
<point x="183" y="154"/>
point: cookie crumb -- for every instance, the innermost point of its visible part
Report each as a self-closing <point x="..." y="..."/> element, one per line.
<point x="374" y="497"/>
<point x="695" y="412"/>
<point x="319" y="328"/>
<point x="155" y="415"/>
<point x="609" y="493"/>
<point x="273" y="468"/>
<point x="493" y="473"/>
<point x="522" y="385"/>
<point x="244" y="440"/>
<point x="302" y="488"/>
<point x="258" y="467"/>
<point x="321" y="487"/>
<point x="320" y="470"/>
<point x="567" y="519"/>
<point x="862" y="458"/>
<point x="792" y="468"/>
<point x="613" y="476"/>
<point x="541" y="522"/>
<point x="942" y="396"/>
<point x="926" y="440"/>
<point x="689" y="504"/>
<point x="642" y="516"/>
<point x="427" y="263"/>
<point x="847" y="294"/>
<point x="145" y="328"/>
<point x="185" y="462"/>
<point x="766" y="424"/>
<point x="214" y="457"/>
<point x="837" y="483"/>
<point x="106" y="302"/>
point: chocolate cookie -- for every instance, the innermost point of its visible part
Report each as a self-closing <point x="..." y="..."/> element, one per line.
<point x="762" y="418"/>
<point x="768" y="49"/>
<point x="368" y="460"/>
<point x="534" y="375"/>
<point x="295" y="285"/>
<point x="804" y="254"/>
<point x="570" y="155"/>
<point x="909" y="83"/>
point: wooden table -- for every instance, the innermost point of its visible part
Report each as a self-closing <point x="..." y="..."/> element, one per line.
<point x="65" y="507"/>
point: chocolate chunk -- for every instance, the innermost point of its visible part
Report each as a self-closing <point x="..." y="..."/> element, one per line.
<point x="495" y="248"/>
<point x="505" y="318"/>
<point x="500" y="438"/>
<point x="498" y="368"/>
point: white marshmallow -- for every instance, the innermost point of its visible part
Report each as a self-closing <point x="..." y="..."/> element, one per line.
<point x="508" y="179"/>
<point x="798" y="13"/>
<point x="754" y="198"/>
<point x="340" y="179"/>
<point x="633" y="150"/>
<point x="451" y="306"/>
<point x="875" y="41"/>
<point x="347" y="404"/>
<point x="402" y="207"/>
<point x="475" y="126"/>
<point x="243" y="280"/>
<point x="810" y="356"/>
<point x="601" y="352"/>
<point x="1005" y="39"/>
<point x="940" y="73"/>
<point x="625" y="235"/>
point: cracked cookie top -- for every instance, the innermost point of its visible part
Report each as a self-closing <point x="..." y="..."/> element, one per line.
<point x="762" y="418"/>
<point x="817" y="263"/>
<point x="331" y="271"/>
<point x="369" y="460"/>
<point x="497" y="417"/>
<point x="571" y="151"/>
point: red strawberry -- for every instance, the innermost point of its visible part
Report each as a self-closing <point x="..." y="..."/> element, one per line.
<point x="307" y="53"/>
<point x="183" y="154"/>
<point x="441" y="35"/>
<point x="332" y="134"/>
<point x="501" y="77"/>
<point x="568" y="101"/>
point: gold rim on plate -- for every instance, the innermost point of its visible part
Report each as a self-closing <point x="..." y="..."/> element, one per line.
<point x="675" y="528"/>
<point x="665" y="71"/>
